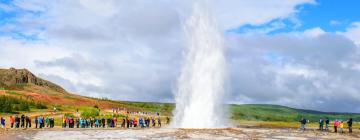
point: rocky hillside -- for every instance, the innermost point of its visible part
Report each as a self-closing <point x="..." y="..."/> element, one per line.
<point x="24" y="85"/>
<point x="18" y="78"/>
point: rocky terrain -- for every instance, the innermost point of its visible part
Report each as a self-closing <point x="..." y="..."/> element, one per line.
<point x="18" y="78"/>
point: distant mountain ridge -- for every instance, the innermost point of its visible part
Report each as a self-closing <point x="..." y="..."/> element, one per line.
<point x="17" y="78"/>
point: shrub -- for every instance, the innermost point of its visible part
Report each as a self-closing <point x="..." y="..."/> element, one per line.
<point x="5" y="104"/>
<point x="24" y="106"/>
<point x="91" y="112"/>
<point x="69" y="114"/>
<point x="40" y="106"/>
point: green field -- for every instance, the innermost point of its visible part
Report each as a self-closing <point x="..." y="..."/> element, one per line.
<point x="265" y="112"/>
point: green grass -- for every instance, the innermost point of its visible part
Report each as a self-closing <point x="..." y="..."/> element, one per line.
<point x="258" y="112"/>
<point x="164" y="108"/>
<point x="16" y="87"/>
<point x="69" y="97"/>
<point x="13" y="93"/>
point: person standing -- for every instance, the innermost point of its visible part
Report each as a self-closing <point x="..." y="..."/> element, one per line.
<point x="153" y="121"/>
<point x="47" y="121"/>
<point x="52" y="122"/>
<point x="103" y="122"/>
<point x="336" y="124"/>
<point x="71" y="121"/>
<point x="115" y="120"/>
<point x="159" y="122"/>
<point x="350" y="122"/>
<point x="41" y="122"/>
<point x="17" y="121"/>
<point x="131" y="122"/>
<point x="141" y="123"/>
<point x="302" y="123"/>
<point x="11" y="121"/>
<point x="123" y="123"/>
<point x="92" y="122"/>
<point x="108" y="122"/>
<point x="77" y="122"/>
<point x="321" y="125"/>
<point x="96" y="122"/>
<point x="3" y="123"/>
<point x="66" y="121"/>
<point x="127" y="123"/>
<point x="327" y="122"/>
<point x="147" y="122"/>
<point x="28" y="122"/>
<point x="22" y="121"/>
<point x="135" y="122"/>
<point x="36" y="120"/>
<point x="341" y="125"/>
<point x="167" y="120"/>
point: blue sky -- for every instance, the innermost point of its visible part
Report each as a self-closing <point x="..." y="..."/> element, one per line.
<point x="329" y="15"/>
<point x="12" y="16"/>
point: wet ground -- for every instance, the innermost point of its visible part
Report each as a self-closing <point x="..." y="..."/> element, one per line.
<point x="168" y="133"/>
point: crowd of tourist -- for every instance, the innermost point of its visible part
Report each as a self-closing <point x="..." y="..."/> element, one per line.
<point x="143" y="121"/>
<point x="26" y="122"/>
<point x="325" y="123"/>
<point x="125" y="122"/>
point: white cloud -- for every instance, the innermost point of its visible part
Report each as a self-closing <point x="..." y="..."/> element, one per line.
<point x="302" y="69"/>
<point x="314" y="32"/>
<point x="233" y="13"/>
<point x="353" y="32"/>
<point x="131" y="50"/>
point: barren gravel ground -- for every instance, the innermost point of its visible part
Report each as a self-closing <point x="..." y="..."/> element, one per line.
<point x="169" y="133"/>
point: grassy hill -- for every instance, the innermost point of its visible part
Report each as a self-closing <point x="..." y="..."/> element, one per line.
<point x="266" y="112"/>
<point x="23" y="92"/>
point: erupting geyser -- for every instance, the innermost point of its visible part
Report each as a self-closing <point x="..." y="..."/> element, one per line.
<point x="201" y="84"/>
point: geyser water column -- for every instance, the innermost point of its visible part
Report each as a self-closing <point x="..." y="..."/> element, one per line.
<point x="201" y="83"/>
